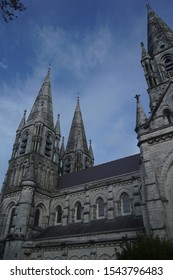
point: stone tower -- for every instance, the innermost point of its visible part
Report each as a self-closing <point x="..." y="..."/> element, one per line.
<point x="32" y="170"/>
<point x="155" y="133"/>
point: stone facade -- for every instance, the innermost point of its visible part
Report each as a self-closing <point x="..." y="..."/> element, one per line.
<point x="55" y="204"/>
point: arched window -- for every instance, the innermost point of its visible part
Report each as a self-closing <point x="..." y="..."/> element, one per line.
<point x="87" y="163"/>
<point x="67" y="165"/>
<point x="167" y="114"/>
<point x="48" y="146"/>
<point x="24" y="143"/>
<point x="125" y="203"/>
<point x="100" y="207"/>
<point x="78" y="211"/>
<point x="11" y="219"/>
<point x="59" y="214"/>
<point x="37" y="218"/>
<point x="168" y="64"/>
<point x="78" y="160"/>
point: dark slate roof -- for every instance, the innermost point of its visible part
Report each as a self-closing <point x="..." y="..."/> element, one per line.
<point x="99" y="172"/>
<point x="122" y="223"/>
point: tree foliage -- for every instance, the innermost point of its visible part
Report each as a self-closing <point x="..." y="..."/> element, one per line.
<point x="146" y="248"/>
<point x="10" y="8"/>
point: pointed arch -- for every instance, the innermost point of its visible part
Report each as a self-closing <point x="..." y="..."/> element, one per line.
<point x="11" y="220"/>
<point x="42" y="216"/>
<point x="48" y="145"/>
<point x="163" y="171"/>
<point x="78" y="211"/>
<point x="167" y="115"/>
<point x="58" y="216"/>
<point x="9" y="216"/>
<point x="168" y="65"/>
<point x="37" y="218"/>
<point x="100" y="207"/>
<point x="24" y="142"/>
<point x="125" y="204"/>
<point x="67" y="164"/>
<point x="87" y="162"/>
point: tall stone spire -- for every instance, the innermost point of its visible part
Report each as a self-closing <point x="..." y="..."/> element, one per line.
<point x="42" y="109"/>
<point x="77" y="136"/>
<point x="160" y="35"/>
<point x="77" y="155"/>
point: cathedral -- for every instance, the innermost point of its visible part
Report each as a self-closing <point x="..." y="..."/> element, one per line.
<point x="55" y="204"/>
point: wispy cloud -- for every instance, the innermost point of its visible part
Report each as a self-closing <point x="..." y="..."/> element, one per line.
<point x="74" y="52"/>
<point x="3" y="65"/>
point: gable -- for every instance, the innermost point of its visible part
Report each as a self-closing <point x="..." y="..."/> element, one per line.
<point x="164" y="103"/>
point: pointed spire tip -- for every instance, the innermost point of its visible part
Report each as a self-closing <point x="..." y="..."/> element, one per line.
<point x="137" y="96"/>
<point x="78" y="98"/>
<point x="148" y="6"/>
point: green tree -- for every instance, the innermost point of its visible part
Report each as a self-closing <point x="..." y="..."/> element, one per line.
<point x="146" y="248"/>
<point x="10" y="8"/>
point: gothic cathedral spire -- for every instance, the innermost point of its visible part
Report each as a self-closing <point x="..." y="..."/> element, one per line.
<point x="77" y="155"/>
<point x="42" y="109"/>
<point x="36" y="140"/>
<point x="157" y="61"/>
<point x="160" y="35"/>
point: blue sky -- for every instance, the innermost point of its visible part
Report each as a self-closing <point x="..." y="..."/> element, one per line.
<point x="94" y="49"/>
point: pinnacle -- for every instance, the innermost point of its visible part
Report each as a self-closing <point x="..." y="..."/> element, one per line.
<point x="77" y="137"/>
<point x="57" y="126"/>
<point x="22" y="122"/>
<point x="140" y="114"/>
